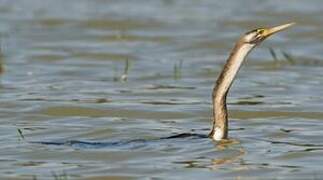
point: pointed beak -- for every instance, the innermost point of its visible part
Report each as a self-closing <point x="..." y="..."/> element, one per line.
<point x="276" y="29"/>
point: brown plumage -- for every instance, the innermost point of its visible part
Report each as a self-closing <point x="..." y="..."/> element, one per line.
<point x="240" y="51"/>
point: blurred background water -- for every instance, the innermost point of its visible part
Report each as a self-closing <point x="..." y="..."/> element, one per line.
<point x="122" y="74"/>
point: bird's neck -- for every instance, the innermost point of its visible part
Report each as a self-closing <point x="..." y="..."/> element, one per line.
<point x="221" y="88"/>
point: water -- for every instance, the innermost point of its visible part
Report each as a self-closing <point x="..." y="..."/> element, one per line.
<point x="107" y="80"/>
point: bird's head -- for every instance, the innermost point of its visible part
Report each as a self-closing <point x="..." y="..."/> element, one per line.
<point x="256" y="36"/>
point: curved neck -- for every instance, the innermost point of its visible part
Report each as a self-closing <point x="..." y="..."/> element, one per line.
<point x="221" y="88"/>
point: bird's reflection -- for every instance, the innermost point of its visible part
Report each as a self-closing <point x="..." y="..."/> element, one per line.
<point x="226" y="151"/>
<point x="224" y="145"/>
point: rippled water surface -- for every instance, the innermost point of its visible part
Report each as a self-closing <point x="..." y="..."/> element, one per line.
<point x="91" y="89"/>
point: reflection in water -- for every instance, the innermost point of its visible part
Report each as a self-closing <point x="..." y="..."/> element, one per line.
<point x="230" y="158"/>
<point x="226" y="153"/>
<point x="226" y="143"/>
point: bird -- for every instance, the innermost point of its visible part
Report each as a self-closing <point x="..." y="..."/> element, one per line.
<point x="246" y="43"/>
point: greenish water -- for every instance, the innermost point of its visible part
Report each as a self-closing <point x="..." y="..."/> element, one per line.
<point x="122" y="74"/>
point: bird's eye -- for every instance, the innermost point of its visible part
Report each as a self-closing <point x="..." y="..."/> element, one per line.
<point x="260" y="31"/>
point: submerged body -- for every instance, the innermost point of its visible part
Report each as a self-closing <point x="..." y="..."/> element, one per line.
<point x="242" y="48"/>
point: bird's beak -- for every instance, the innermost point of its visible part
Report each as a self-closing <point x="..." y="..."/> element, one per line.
<point x="273" y="30"/>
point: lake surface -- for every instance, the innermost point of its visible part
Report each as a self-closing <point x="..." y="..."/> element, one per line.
<point x="91" y="89"/>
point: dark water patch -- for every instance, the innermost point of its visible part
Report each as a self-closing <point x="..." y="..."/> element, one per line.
<point x="186" y="135"/>
<point x="271" y="165"/>
<point x="286" y="130"/>
<point x="267" y="114"/>
<point x="52" y="22"/>
<point x="124" y="144"/>
<point x="102" y="56"/>
<point x="254" y="97"/>
<point x="98" y="100"/>
<point x="160" y="103"/>
<point x="31" y="164"/>
<point x="250" y="100"/>
<point x="169" y="102"/>
<point x="192" y="164"/>
<point x="120" y="24"/>
<point x="161" y="87"/>
<point x="48" y="57"/>
<point x="245" y="102"/>
<point x="123" y="37"/>
<point x="61" y="111"/>
<point x="307" y="150"/>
